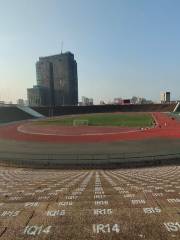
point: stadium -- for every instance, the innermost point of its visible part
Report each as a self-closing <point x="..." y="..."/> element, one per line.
<point x="89" y="120"/>
<point x="90" y="172"/>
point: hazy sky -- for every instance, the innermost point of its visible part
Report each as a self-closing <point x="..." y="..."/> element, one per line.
<point x="122" y="47"/>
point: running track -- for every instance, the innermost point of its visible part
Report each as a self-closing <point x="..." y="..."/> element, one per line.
<point x="166" y="128"/>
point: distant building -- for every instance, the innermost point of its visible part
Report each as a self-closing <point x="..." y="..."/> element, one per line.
<point x="86" y="101"/>
<point x="2" y="103"/>
<point x="102" y="102"/>
<point x="140" y="100"/>
<point x="20" y="102"/>
<point x="120" y="101"/>
<point x="165" y="97"/>
<point x="57" y="81"/>
<point x="38" y="96"/>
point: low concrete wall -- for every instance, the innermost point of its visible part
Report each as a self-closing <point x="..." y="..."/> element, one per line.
<point x="63" y="110"/>
<point x="77" y="161"/>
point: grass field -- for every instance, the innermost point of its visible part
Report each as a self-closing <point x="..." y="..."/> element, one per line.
<point x="106" y="119"/>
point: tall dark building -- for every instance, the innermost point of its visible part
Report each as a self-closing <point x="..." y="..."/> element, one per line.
<point x="57" y="81"/>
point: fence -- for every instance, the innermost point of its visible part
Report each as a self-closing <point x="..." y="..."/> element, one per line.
<point x="114" y="160"/>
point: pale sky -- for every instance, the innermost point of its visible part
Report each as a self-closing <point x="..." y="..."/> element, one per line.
<point x="122" y="47"/>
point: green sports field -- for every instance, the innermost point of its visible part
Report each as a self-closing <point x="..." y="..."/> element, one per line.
<point x="105" y="119"/>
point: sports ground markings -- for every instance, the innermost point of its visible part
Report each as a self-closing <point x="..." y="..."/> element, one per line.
<point x="118" y="204"/>
<point x="24" y="129"/>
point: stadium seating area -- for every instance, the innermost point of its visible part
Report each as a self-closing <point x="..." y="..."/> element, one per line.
<point x="11" y="114"/>
<point x="63" y="110"/>
<point x="124" y="204"/>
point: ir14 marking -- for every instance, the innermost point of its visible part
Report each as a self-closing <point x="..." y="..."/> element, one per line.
<point x="106" y="228"/>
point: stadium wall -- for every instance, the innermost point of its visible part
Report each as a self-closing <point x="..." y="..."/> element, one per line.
<point x="13" y="113"/>
<point x="65" y="110"/>
<point x="80" y="161"/>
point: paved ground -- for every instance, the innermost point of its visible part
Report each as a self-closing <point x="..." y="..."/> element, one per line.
<point x="121" y="204"/>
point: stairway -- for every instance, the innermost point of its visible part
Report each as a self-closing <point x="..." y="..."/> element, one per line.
<point x="30" y="111"/>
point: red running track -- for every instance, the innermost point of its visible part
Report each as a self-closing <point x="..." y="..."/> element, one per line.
<point x="166" y="128"/>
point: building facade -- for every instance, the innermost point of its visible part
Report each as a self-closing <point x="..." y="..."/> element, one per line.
<point x="57" y="81"/>
<point x="86" y="101"/>
<point x="165" y="97"/>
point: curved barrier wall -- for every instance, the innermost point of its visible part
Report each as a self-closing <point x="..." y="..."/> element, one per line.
<point x="86" y="160"/>
<point x="63" y="110"/>
<point x="13" y="113"/>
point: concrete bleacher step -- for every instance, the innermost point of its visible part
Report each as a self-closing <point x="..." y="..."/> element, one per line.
<point x="30" y="111"/>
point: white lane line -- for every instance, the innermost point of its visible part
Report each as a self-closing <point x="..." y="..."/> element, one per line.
<point x="22" y="130"/>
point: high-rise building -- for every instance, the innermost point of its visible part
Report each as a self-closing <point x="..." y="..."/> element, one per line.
<point x="57" y="81"/>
